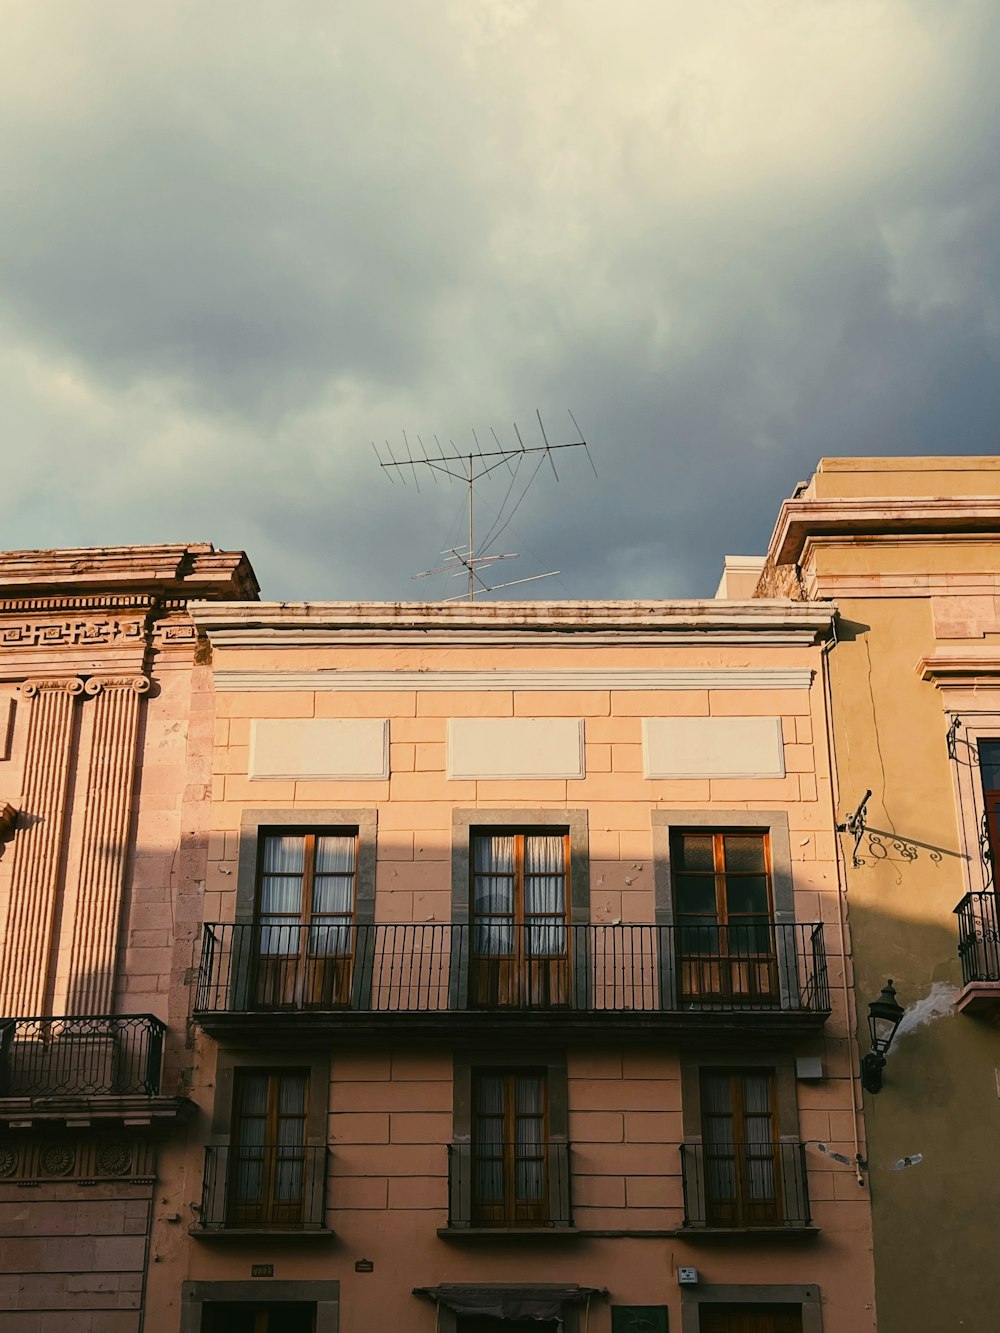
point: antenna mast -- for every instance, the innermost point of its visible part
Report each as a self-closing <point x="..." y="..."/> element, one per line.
<point x="476" y="465"/>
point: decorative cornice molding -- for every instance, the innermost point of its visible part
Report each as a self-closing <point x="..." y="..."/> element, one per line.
<point x="582" y="678"/>
<point x="73" y="633"/>
<point x="511" y="624"/>
<point x="891" y="518"/>
<point x="961" y="668"/>
<point x="179" y="568"/>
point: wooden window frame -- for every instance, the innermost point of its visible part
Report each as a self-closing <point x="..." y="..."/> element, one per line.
<point x="507" y="1211"/>
<point x="734" y="969"/>
<point x="808" y="1299"/>
<point x="269" y="1212"/>
<point x="551" y="1063"/>
<point x="743" y="1207"/>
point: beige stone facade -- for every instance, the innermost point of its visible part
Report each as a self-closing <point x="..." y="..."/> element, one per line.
<point x="501" y="958"/>
<point x="908" y="550"/>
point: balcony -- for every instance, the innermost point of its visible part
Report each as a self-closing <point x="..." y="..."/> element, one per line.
<point x="268" y="1190"/>
<point x="82" y="1068"/>
<point x="626" y="981"/>
<point x="745" y="1189"/>
<point x="979" y="954"/>
<point x="508" y="1189"/>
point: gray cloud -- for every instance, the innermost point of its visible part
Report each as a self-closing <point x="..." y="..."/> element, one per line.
<point x="239" y="244"/>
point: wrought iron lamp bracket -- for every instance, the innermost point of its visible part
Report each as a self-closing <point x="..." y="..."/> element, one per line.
<point x="855" y="825"/>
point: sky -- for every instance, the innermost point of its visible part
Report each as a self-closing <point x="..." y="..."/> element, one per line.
<point x="241" y="241"/>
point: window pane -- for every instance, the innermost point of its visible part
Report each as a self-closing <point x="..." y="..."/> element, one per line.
<point x="744" y="852"/>
<point x="333" y="893"/>
<point x="544" y="893"/>
<point x="284" y="854"/>
<point x="252" y="1099"/>
<point x="543" y="853"/>
<point x="280" y="937"/>
<point x="989" y="764"/>
<point x="493" y="852"/>
<point x="280" y="894"/>
<point x="489" y="1094"/>
<point x="757" y="1094"/>
<point x="746" y="895"/>
<point x="493" y="894"/>
<point x="494" y="939"/>
<point x="695" y="894"/>
<point x="335" y="855"/>
<point x="716" y="1093"/>
<point x="528" y="1095"/>
<point x="696" y="851"/>
<point x="292" y="1095"/>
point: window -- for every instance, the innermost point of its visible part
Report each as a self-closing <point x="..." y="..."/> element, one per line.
<point x="742" y="1168"/>
<point x="724" y="913"/>
<point x="306" y="896"/>
<point x="751" y="1319"/>
<point x="520" y="941"/>
<point x="989" y="772"/>
<point x="267" y="1166"/>
<point x="509" y="1160"/>
<point x="509" y="1148"/>
<point x="254" y="1317"/>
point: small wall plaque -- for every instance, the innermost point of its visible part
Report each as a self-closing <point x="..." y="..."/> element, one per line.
<point x="364" y="1266"/>
<point x="262" y="1270"/>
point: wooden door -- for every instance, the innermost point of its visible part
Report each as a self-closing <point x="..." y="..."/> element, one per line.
<point x="255" y="1317"/>
<point x="742" y="1164"/>
<point x="509" y="1149"/>
<point x="724" y="913"/>
<point x="520" y="940"/>
<point x="305" y="915"/>
<point x="267" y="1154"/>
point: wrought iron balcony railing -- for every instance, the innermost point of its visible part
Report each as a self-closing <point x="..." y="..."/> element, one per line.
<point x="88" y="1056"/>
<point x="440" y="969"/>
<point x="745" y="1186"/>
<point x="279" y="1187"/>
<point x="502" y="1186"/>
<point x="979" y="937"/>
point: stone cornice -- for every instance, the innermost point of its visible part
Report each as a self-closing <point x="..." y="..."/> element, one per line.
<point x="302" y="624"/>
<point x="962" y="667"/>
<point x="890" y="518"/>
<point x="186" y="569"/>
<point x="580" y="678"/>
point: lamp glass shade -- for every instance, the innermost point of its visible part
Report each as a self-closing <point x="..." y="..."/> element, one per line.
<point x="884" y="1017"/>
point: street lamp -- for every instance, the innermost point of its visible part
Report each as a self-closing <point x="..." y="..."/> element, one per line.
<point x="884" y="1017"/>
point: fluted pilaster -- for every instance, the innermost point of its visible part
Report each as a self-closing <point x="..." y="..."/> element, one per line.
<point x="37" y="846"/>
<point x="104" y="842"/>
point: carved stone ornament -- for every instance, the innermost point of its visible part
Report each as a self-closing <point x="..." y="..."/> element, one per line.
<point x="114" y="1159"/>
<point x="72" y="633"/>
<point x="58" y="1159"/>
<point x="71" y="684"/>
<point x="137" y="684"/>
<point x="8" y="1161"/>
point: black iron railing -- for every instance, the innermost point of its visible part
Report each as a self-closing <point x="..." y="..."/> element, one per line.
<point x="81" y="1056"/>
<point x="247" y="968"/>
<point x="280" y="1186"/>
<point x="507" y="1185"/>
<point x="979" y="937"/>
<point x="745" y="1186"/>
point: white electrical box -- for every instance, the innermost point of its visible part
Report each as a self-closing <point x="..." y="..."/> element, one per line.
<point x="809" y="1067"/>
<point x="687" y="1277"/>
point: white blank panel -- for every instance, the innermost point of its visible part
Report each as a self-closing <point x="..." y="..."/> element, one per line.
<point x="515" y="747"/>
<point x="712" y="747"/>
<point x="349" y="749"/>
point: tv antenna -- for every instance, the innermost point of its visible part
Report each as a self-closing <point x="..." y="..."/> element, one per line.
<point x="470" y="467"/>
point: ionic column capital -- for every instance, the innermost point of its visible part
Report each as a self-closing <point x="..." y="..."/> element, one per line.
<point x="70" y="684"/>
<point x="137" y="684"/>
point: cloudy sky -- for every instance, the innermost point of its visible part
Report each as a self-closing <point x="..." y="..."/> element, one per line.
<point x="240" y="240"/>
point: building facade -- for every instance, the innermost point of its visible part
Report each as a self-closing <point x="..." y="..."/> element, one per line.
<point x="101" y="722"/>
<point x="907" y="549"/>
<point x="521" y="987"/>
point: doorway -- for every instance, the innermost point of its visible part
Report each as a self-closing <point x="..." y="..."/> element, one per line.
<point x="251" y="1317"/>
